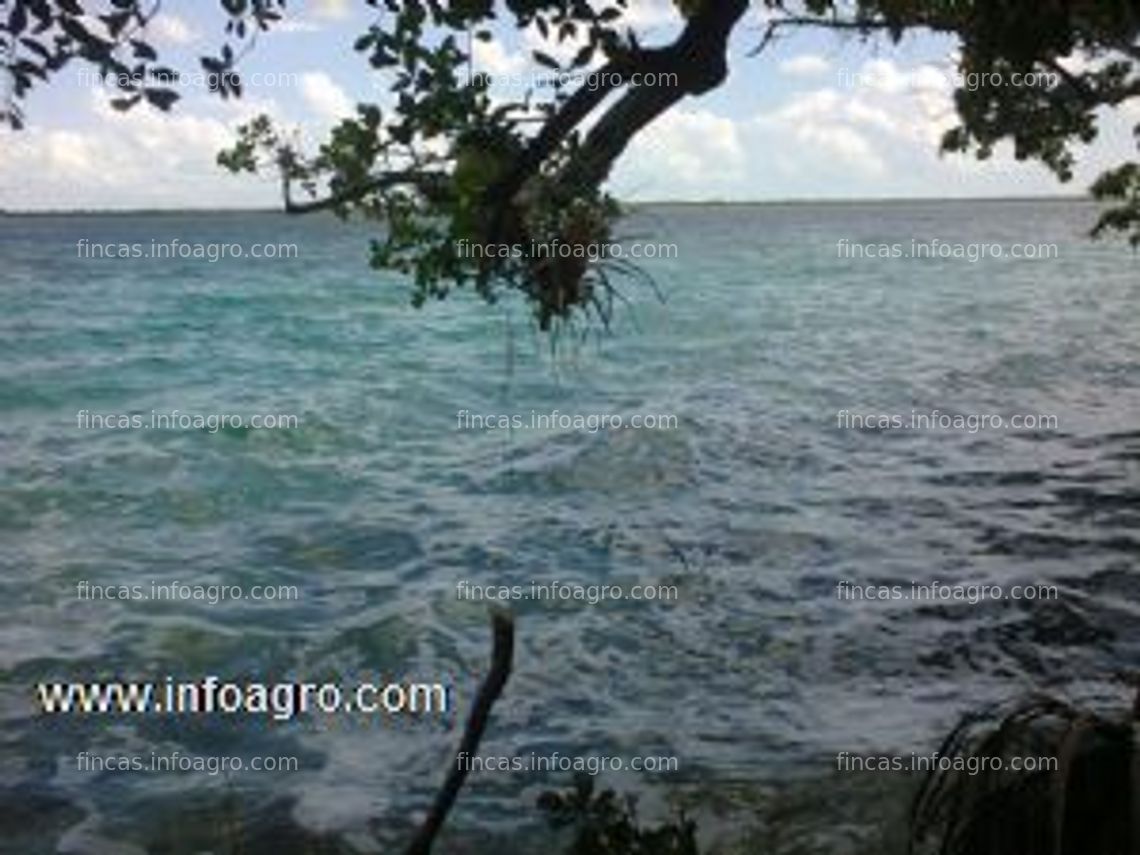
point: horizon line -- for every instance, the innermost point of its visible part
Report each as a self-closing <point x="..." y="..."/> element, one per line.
<point x="741" y="203"/>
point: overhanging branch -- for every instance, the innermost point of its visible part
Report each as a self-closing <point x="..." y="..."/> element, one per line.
<point x="430" y="184"/>
<point x="692" y="65"/>
<point x="698" y="63"/>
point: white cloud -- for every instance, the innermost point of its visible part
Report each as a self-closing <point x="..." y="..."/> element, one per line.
<point x="141" y="158"/>
<point x="846" y="144"/>
<point x="805" y="65"/>
<point x="335" y="10"/>
<point x="492" y="58"/>
<point x="685" y="151"/>
<point x="171" y="29"/>
<point x="878" y="132"/>
<point x="324" y="97"/>
<point x="809" y="107"/>
<point x="878" y="75"/>
<point x="292" y="25"/>
<point x="862" y="113"/>
<point x="644" y="14"/>
<point x="71" y="153"/>
<point x="164" y="137"/>
<point x="820" y="124"/>
<point x="909" y="104"/>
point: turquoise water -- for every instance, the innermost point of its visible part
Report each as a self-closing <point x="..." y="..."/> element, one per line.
<point x="376" y="506"/>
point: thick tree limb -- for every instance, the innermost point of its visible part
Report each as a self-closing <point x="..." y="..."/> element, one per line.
<point x="1086" y="95"/>
<point x="577" y="107"/>
<point x="613" y="133"/>
<point x="503" y="628"/>
<point x="696" y="61"/>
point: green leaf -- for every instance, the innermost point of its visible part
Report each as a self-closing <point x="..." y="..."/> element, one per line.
<point x="143" y="50"/>
<point x="584" y="55"/>
<point x="125" y="103"/>
<point x="18" y="19"/>
<point x="163" y="99"/>
<point x="546" y="60"/>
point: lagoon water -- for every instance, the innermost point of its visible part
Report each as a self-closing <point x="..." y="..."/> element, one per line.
<point x="377" y="506"/>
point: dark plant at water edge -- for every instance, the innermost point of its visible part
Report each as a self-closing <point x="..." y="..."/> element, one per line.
<point x="606" y="824"/>
<point x="1087" y="803"/>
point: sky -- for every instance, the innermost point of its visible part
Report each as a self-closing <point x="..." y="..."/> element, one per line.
<point x="815" y="116"/>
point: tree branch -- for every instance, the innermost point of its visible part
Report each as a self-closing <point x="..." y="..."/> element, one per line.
<point x="859" y="25"/>
<point x="431" y="184"/>
<point x="1087" y="96"/>
<point x="542" y="145"/>
<point x="698" y="59"/>
<point x="697" y="63"/>
<point x="503" y="628"/>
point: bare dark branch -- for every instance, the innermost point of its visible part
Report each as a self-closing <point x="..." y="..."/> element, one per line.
<point x="501" y="657"/>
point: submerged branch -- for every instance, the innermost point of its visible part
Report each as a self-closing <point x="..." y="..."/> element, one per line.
<point x="502" y="654"/>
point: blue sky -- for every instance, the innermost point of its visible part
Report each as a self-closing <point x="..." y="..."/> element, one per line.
<point x="816" y="116"/>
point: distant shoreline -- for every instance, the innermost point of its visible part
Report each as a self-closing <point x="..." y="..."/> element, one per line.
<point x="656" y="203"/>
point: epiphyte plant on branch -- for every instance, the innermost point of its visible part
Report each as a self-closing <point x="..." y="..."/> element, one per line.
<point x="460" y="179"/>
